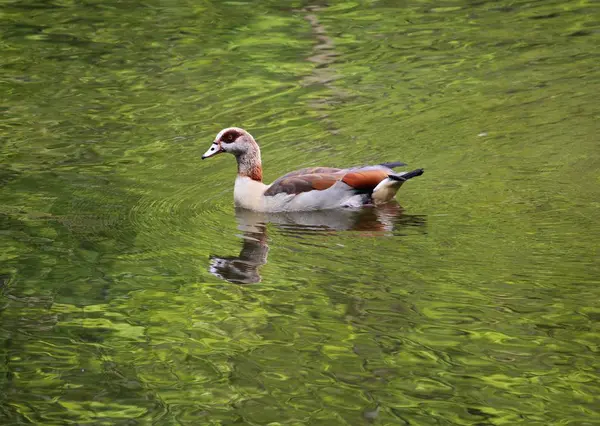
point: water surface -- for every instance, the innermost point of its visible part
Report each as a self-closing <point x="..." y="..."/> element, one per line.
<point x="132" y="292"/>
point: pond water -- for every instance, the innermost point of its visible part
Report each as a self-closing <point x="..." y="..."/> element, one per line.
<point x="132" y="292"/>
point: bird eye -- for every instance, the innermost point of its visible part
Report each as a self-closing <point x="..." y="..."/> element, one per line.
<point x="229" y="137"/>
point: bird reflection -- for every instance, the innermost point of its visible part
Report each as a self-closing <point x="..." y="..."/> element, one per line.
<point x="243" y="269"/>
<point x="368" y="221"/>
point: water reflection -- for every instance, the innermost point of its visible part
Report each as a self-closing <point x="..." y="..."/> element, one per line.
<point x="243" y="269"/>
<point x="383" y="221"/>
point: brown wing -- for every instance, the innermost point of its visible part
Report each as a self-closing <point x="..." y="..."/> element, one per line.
<point x="296" y="184"/>
<point x="365" y="180"/>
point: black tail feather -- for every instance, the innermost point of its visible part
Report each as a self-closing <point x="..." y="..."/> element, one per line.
<point x="407" y="176"/>
<point x="393" y="164"/>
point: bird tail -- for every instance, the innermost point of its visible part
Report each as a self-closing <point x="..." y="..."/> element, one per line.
<point x="387" y="188"/>
<point x="403" y="177"/>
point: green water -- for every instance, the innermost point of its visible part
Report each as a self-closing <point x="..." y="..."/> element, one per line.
<point x="131" y="292"/>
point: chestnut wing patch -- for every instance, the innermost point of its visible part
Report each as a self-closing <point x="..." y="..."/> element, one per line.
<point x="365" y="180"/>
<point x="296" y="184"/>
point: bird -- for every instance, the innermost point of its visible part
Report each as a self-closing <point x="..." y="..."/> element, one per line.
<point x="313" y="188"/>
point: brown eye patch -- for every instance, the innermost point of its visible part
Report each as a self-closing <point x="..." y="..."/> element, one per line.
<point x="230" y="136"/>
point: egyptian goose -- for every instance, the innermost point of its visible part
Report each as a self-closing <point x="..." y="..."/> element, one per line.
<point x="315" y="188"/>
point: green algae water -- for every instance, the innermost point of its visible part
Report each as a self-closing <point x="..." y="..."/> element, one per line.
<point x="133" y="293"/>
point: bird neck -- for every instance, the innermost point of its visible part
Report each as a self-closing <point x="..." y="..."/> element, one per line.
<point x="249" y="164"/>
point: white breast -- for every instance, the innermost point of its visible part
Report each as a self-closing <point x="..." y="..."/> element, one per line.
<point x="249" y="194"/>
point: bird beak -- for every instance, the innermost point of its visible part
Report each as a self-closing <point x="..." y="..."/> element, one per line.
<point x="214" y="149"/>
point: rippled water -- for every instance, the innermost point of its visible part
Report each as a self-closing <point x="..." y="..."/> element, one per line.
<point x="132" y="292"/>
